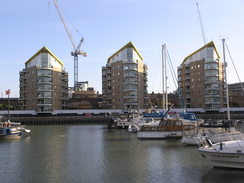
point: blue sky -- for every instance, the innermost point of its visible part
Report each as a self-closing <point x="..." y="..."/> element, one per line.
<point x="107" y="25"/>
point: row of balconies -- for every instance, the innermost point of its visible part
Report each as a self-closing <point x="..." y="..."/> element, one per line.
<point x="131" y="103"/>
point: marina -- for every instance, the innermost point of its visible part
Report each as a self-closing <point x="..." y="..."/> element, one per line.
<point x="124" y="105"/>
<point x="94" y="153"/>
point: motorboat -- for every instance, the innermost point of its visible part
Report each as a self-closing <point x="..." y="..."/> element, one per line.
<point x="228" y="154"/>
<point x="133" y="128"/>
<point x="132" y="118"/>
<point x="11" y="130"/>
<point x="137" y="124"/>
<point x="214" y="136"/>
<point x="9" y="133"/>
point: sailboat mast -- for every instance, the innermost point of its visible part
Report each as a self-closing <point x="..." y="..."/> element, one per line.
<point x="226" y="85"/>
<point x="164" y="79"/>
<point x="8" y="107"/>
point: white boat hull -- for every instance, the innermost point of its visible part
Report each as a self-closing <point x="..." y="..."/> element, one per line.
<point x="158" y="135"/>
<point x="225" y="160"/>
<point x="12" y="136"/>
<point x="195" y="140"/>
<point x="229" y="154"/>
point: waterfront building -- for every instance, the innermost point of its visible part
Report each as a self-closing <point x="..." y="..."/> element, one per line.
<point x="156" y="100"/>
<point x="124" y="80"/>
<point x="236" y="94"/>
<point x="201" y="79"/>
<point x="43" y="83"/>
<point x="84" y="97"/>
<point x="11" y="103"/>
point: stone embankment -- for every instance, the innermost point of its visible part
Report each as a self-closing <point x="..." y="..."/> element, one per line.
<point x="61" y="120"/>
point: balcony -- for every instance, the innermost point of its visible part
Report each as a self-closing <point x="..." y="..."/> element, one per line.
<point x="211" y="75"/>
<point x="211" y="102"/>
<point x="187" y="77"/>
<point x="210" y="81"/>
<point x="130" y="97"/>
<point x="211" y="61"/>
<point x="130" y="89"/>
<point x="40" y="104"/>
<point x="187" y="71"/>
<point x="129" y="61"/>
<point x="45" y="89"/>
<point x="179" y="72"/>
<point x="109" y="84"/>
<point x="130" y="67"/>
<point x="211" y="95"/>
<point x="130" y="83"/>
<point x="130" y="76"/>
<point x="188" y="96"/>
<point x="130" y="103"/>
<point x="109" y="96"/>
<point x="42" y="97"/>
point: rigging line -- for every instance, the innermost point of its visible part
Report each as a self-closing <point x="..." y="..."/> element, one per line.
<point x="171" y="68"/>
<point x="234" y="66"/>
<point x="171" y="64"/>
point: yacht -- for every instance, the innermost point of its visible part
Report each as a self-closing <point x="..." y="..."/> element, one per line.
<point x="228" y="154"/>
<point x="167" y="128"/>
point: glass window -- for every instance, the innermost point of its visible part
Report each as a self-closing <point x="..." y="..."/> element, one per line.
<point x="44" y="72"/>
<point x="44" y="87"/>
<point x="129" y="53"/>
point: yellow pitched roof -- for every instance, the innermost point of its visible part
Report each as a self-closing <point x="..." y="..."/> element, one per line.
<point x="210" y="44"/>
<point x="43" y="49"/>
<point x="128" y="45"/>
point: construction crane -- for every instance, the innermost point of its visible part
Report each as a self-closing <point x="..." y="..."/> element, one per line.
<point x="201" y="24"/>
<point x="76" y="51"/>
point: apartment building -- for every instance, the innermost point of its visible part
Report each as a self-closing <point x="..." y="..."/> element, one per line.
<point x="43" y="83"/>
<point x="201" y="79"/>
<point x="236" y="94"/>
<point x="124" y="80"/>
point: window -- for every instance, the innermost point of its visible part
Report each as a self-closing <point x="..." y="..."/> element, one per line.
<point x="129" y="53"/>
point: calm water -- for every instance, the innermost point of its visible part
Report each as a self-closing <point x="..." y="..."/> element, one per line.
<point x="92" y="153"/>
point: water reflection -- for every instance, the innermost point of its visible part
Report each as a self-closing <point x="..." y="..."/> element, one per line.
<point x="92" y="153"/>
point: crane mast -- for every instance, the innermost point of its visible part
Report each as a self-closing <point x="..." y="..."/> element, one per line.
<point x="77" y="50"/>
<point x="201" y="24"/>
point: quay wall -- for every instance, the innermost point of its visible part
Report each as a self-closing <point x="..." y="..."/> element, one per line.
<point x="101" y="116"/>
<point x="233" y="116"/>
<point x="61" y="120"/>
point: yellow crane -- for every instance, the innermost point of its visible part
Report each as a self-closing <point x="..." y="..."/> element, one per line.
<point x="77" y="50"/>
